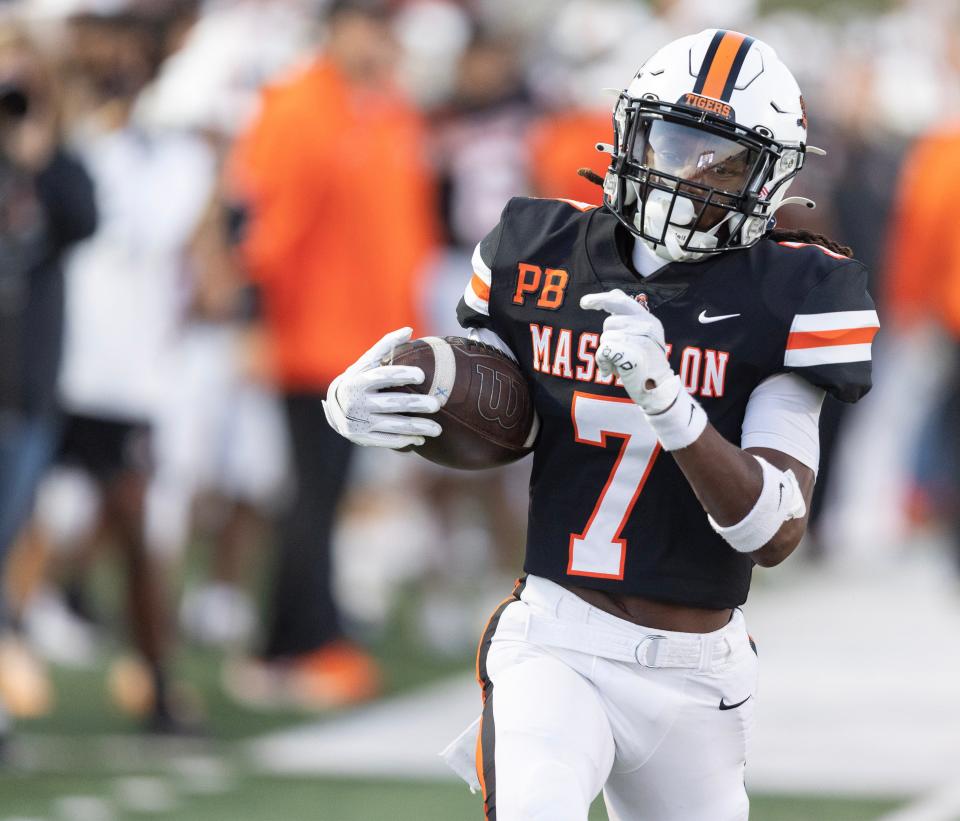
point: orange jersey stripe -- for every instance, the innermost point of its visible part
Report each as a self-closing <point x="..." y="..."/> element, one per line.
<point x="721" y="65"/>
<point x="480" y="288"/>
<point x="822" y="339"/>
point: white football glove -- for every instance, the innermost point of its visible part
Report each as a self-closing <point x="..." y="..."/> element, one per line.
<point x="632" y="346"/>
<point x="356" y="409"/>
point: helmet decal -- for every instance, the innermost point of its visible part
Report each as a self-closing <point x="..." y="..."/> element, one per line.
<point x="708" y="104"/>
<point x="721" y="65"/>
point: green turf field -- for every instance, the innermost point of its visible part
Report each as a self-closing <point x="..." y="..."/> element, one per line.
<point x="87" y="762"/>
<point x="283" y="799"/>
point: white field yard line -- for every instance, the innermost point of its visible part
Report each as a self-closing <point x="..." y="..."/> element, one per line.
<point x="400" y="737"/>
<point x="118" y="755"/>
<point x="942" y="805"/>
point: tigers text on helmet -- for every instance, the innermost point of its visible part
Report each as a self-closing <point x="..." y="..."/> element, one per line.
<point x="707" y="138"/>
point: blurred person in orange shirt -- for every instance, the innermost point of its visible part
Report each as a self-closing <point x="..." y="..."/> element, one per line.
<point x="924" y="252"/>
<point x="341" y="223"/>
<point x="923" y="286"/>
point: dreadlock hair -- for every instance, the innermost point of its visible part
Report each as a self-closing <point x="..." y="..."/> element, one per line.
<point x="591" y="176"/>
<point x="776" y="234"/>
<point x="809" y="237"/>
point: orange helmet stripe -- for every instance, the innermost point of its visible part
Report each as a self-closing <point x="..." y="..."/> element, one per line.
<point x="722" y="63"/>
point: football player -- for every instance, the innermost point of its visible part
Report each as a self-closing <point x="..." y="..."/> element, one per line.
<point x="678" y="348"/>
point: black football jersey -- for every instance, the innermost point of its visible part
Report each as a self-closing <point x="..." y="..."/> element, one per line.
<point x="608" y="508"/>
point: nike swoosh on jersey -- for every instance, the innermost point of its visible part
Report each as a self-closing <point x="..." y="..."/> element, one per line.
<point x="725" y="706"/>
<point x="705" y="320"/>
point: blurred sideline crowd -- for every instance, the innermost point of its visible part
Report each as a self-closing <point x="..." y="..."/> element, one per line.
<point x="209" y="209"/>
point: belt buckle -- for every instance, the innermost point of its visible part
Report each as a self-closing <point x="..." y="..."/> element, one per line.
<point x="642" y="651"/>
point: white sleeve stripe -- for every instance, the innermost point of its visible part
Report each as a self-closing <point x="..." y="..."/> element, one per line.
<point x="835" y="321"/>
<point x="480" y="268"/>
<point x="481" y="306"/>
<point x="828" y="355"/>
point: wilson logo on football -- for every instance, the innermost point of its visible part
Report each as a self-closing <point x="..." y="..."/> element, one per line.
<point x="717" y="107"/>
<point x="499" y="398"/>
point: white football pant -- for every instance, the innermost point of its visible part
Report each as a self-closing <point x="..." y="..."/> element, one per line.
<point x="577" y="701"/>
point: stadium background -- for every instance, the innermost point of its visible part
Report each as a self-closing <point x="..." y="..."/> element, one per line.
<point x="859" y="716"/>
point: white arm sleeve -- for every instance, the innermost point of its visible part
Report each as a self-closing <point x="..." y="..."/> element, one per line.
<point x="783" y="413"/>
<point x="488" y="337"/>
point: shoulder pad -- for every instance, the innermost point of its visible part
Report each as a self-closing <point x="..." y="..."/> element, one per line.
<point x="534" y="223"/>
<point x="546" y="208"/>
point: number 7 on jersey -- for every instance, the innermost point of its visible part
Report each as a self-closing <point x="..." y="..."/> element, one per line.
<point x="599" y="551"/>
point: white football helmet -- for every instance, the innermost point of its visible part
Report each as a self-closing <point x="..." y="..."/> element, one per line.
<point x="707" y="138"/>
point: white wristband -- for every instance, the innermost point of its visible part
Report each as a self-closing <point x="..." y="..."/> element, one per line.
<point x="681" y="424"/>
<point x="780" y="500"/>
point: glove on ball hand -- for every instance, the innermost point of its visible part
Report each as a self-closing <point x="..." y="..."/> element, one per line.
<point x="357" y="410"/>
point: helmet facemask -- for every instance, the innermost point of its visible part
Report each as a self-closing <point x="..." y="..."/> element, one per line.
<point x="690" y="183"/>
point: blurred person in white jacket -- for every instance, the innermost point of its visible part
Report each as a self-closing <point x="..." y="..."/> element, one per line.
<point x="124" y="302"/>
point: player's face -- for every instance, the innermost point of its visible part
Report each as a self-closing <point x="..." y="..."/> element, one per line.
<point x="697" y="156"/>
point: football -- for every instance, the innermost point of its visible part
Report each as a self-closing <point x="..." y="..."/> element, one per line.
<point x="487" y="416"/>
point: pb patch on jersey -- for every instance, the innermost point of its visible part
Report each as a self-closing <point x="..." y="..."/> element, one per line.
<point x="608" y="508"/>
<point x="548" y="287"/>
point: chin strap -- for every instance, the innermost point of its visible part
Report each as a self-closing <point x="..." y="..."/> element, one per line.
<point x="672" y="245"/>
